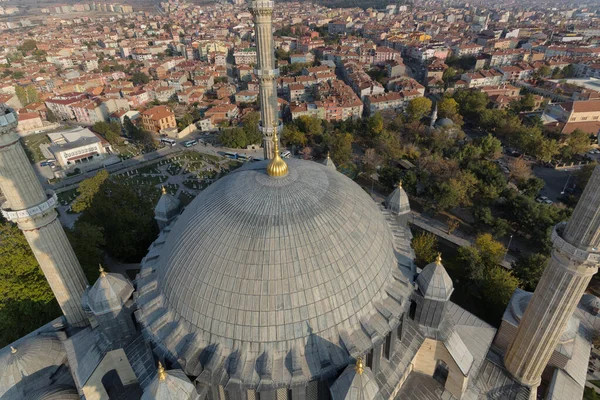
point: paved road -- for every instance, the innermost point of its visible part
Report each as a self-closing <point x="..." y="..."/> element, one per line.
<point x="555" y="181"/>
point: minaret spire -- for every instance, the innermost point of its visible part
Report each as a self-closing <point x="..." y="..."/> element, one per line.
<point x="32" y="209"/>
<point x="575" y="259"/>
<point x="262" y="10"/>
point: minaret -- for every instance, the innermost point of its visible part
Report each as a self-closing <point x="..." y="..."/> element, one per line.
<point x="575" y="258"/>
<point x="32" y="209"/>
<point x="265" y="71"/>
<point x="434" y="115"/>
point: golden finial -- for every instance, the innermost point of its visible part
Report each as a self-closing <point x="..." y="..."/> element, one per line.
<point x="277" y="167"/>
<point x="164" y="191"/>
<point x="400" y="184"/>
<point x="328" y="154"/>
<point x="13" y="350"/>
<point x="161" y="372"/>
<point x="360" y="366"/>
<point x="438" y="259"/>
<point x="102" y="272"/>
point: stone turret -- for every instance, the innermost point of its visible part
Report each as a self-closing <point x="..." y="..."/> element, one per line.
<point x="575" y="259"/>
<point x="109" y="302"/>
<point x="167" y="208"/>
<point x="32" y="209"/>
<point x="329" y="163"/>
<point x="357" y="382"/>
<point x="397" y="202"/>
<point x="170" y="385"/>
<point x="435" y="289"/>
<point x="262" y="11"/>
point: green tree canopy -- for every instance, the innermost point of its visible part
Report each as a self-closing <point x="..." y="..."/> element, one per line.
<point x="26" y="300"/>
<point x="234" y="138"/>
<point x="529" y="270"/>
<point x="140" y="78"/>
<point x="448" y="108"/>
<point x="292" y="136"/>
<point x="418" y="108"/>
<point x="88" y="189"/>
<point x="425" y="247"/>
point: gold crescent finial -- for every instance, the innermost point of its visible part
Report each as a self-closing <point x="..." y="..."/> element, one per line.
<point x="438" y="259"/>
<point x="13" y="350"/>
<point x="328" y="155"/>
<point x="277" y="167"/>
<point x="161" y="372"/>
<point x="360" y="366"/>
<point x="164" y="191"/>
<point x="102" y="272"/>
<point x="400" y="184"/>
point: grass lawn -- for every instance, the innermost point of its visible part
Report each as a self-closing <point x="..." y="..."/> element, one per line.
<point x="32" y="146"/>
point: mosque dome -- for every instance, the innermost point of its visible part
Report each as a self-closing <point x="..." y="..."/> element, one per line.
<point x="170" y="385"/>
<point x="55" y="392"/>
<point x="444" y="122"/>
<point x="270" y="264"/>
<point x="36" y="355"/>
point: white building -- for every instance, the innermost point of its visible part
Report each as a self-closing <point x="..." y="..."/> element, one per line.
<point x="76" y="146"/>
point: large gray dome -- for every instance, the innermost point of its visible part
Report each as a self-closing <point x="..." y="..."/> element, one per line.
<point x="272" y="261"/>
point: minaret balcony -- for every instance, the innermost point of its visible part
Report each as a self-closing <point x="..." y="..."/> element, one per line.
<point x="268" y="130"/>
<point x="267" y="73"/>
<point x="42" y="208"/>
<point x="573" y="252"/>
<point x="261" y="4"/>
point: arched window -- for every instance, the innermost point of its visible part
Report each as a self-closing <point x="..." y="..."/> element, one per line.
<point x="112" y="384"/>
<point x="441" y="372"/>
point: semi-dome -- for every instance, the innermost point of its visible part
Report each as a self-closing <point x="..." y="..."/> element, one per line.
<point x="55" y="392"/>
<point x="38" y="356"/>
<point x="271" y="264"/>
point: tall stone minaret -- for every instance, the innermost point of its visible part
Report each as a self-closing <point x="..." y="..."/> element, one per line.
<point x="32" y="209"/>
<point x="575" y="258"/>
<point x="263" y="27"/>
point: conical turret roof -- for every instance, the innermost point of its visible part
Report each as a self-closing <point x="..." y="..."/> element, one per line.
<point x="109" y="293"/>
<point x="357" y="382"/>
<point x="434" y="282"/>
<point x="397" y="202"/>
<point x="170" y="385"/>
<point x="167" y="205"/>
<point x="328" y="162"/>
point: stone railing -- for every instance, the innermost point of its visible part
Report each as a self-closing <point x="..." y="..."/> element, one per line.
<point x="13" y="215"/>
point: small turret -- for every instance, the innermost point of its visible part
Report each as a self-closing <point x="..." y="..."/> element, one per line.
<point x="435" y="289"/>
<point x="170" y="385"/>
<point x="397" y="202"/>
<point x="357" y="382"/>
<point x="109" y="302"/>
<point x="328" y="162"/>
<point x="167" y="208"/>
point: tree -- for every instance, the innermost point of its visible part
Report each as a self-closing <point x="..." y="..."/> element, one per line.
<point x="375" y="125"/>
<point x="185" y="121"/>
<point x="529" y="270"/>
<point x="425" y="247"/>
<point x="544" y="71"/>
<point x="88" y="189"/>
<point x="456" y="191"/>
<point x="140" y="78"/>
<point x="87" y="241"/>
<point x="448" y="75"/>
<point x="578" y="142"/>
<point x="471" y="103"/>
<point x="26" y="300"/>
<point x="234" y="138"/>
<point x="28" y="46"/>
<point x="111" y="131"/>
<point x="341" y="148"/>
<point x="519" y="169"/>
<point x="584" y="174"/>
<point x="250" y="126"/>
<point x="310" y="126"/>
<point x="491" y="147"/>
<point x="485" y="254"/>
<point x="452" y="224"/>
<point x="126" y="217"/>
<point x="370" y="161"/>
<point x="292" y="136"/>
<point x="499" y="284"/>
<point x="448" y="108"/>
<point x="26" y="95"/>
<point x="418" y="108"/>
